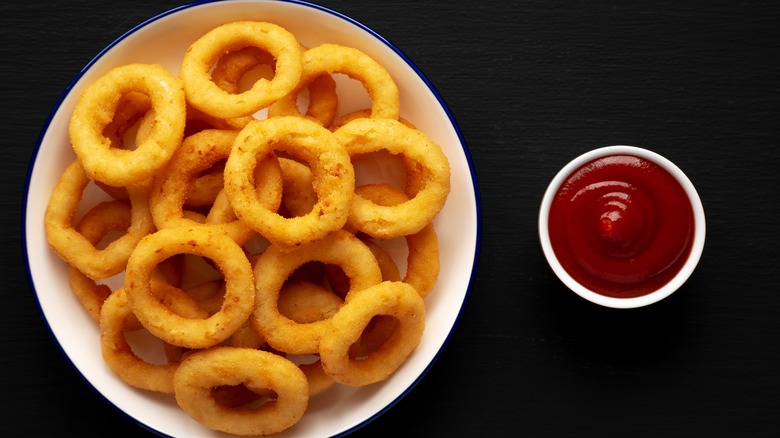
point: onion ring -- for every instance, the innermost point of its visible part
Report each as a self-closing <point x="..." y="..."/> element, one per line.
<point x="413" y="173"/>
<point x="259" y="371"/>
<point x="334" y="178"/>
<point x="198" y="240"/>
<point x="199" y="152"/>
<point x="95" y="110"/>
<point x="275" y="265"/>
<point x="396" y="299"/>
<point x="73" y="247"/>
<point x="422" y="262"/>
<point x="117" y="318"/>
<point x="201" y="56"/>
<point x="328" y="59"/>
<point x="95" y="225"/>
<point x="362" y="136"/>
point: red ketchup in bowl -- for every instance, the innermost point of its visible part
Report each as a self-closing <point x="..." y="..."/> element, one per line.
<point x="621" y="225"/>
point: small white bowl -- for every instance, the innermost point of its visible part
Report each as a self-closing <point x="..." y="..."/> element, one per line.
<point x="633" y="302"/>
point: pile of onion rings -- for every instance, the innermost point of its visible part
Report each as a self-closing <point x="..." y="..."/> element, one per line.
<point x="239" y="234"/>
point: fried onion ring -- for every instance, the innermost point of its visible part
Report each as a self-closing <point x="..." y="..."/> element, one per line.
<point x="117" y="318"/>
<point x="333" y="178"/>
<point x="361" y="136"/>
<point x="72" y="246"/>
<point x="392" y="298"/>
<point x="276" y="264"/>
<point x="422" y="262"/>
<point x="259" y="371"/>
<point x="95" y="110"/>
<point x="326" y="60"/>
<point x="95" y="225"/>
<point x="199" y="152"/>
<point x="201" y="56"/>
<point x="209" y="243"/>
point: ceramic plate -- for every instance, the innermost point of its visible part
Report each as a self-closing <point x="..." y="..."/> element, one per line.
<point x="163" y="39"/>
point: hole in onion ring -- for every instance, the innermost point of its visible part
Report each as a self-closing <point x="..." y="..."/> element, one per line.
<point x="240" y="396"/>
<point x="313" y="271"/>
<point x="238" y="70"/>
<point x="379" y="167"/>
<point x="198" y="270"/>
<point x="347" y="86"/>
<point x="378" y="330"/>
<point x="130" y="112"/>
<point x="110" y="236"/>
<point x="337" y="279"/>
<point x="256" y="73"/>
<point x="146" y="347"/>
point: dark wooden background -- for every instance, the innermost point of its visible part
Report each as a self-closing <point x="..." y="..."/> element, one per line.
<point x="532" y="84"/>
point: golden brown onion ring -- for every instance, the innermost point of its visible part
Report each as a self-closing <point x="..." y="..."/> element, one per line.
<point x="117" y="318"/>
<point x="95" y="110"/>
<point x="395" y="299"/>
<point x="199" y="152"/>
<point x="276" y="264"/>
<point x="362" y="136"/>
<point x="201" y="56"/>
<point x="328" y="59"/>
<point x="206" y="242"/>
<point x="258" y="371"/>
<point x="333" y="178"/>
<point x="422" y="262"/>
<point x="95" y="225"/>
<point x="77" y="250"/>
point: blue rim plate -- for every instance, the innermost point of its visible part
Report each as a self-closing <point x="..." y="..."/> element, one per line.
<point x="163" y="40"/>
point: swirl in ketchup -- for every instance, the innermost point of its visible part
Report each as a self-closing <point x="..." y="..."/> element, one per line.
<point x="621" y="225"/>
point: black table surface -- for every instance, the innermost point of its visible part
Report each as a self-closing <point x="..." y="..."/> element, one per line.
<point x="532" y="84"/>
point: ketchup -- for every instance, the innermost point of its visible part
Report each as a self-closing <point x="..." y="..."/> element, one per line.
<point x="621" y="225"/>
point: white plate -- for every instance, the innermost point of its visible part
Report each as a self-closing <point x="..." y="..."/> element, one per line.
<point x="163" y="40"/>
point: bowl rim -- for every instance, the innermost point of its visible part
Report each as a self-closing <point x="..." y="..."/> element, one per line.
<point x="696" y="248"/>
<point x="351" y="21"/>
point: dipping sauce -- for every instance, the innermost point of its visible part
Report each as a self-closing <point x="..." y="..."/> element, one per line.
<point x="621" y="225"/>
